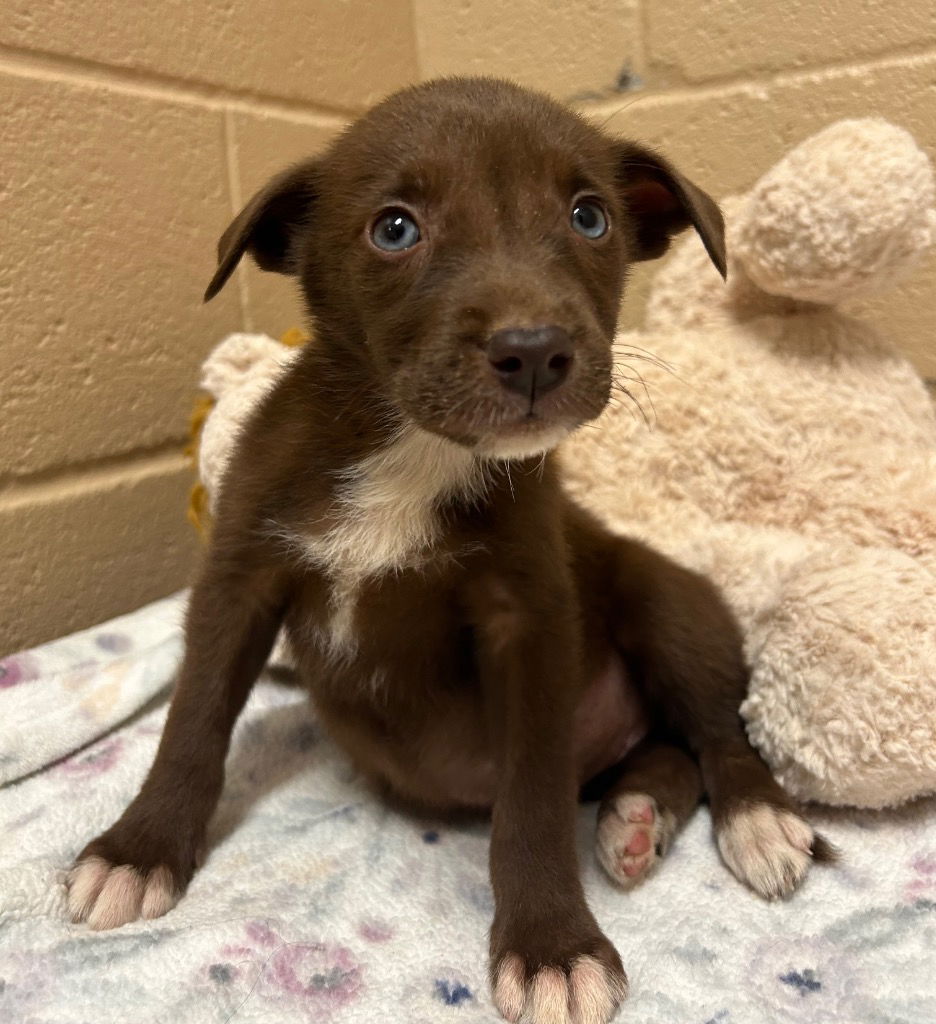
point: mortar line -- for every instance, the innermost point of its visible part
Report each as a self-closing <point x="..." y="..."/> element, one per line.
<point x="48" y="485"/>
<point x="23" y="62"/>
<point x="640" y="52"/>
<point x="235" y="192"/>
<point x="729" y="85"/>
<point x="417" y="46"/>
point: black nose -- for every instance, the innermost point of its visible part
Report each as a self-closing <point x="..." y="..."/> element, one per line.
<point x="531" y="360"/>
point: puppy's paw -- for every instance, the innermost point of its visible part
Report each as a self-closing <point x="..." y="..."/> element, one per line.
<point x="108" y="895"/>
<point x="129" y="872"/>
<point x="633" y="835"/>
<point x="770" y="849"/>
<point x="585" y="992"/>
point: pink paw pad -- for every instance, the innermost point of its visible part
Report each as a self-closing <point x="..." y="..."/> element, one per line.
<point x="639" y="845"/>
<point x="630" y="835"/>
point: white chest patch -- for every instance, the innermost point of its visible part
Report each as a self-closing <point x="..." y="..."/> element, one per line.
<point x="388" y="520"/>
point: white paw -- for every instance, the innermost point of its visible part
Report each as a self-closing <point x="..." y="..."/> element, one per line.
<point x="633" y="834"/>
<point x="767" y="848"/>
<point x="108" y="895"/>
<point x="589" y="993"/>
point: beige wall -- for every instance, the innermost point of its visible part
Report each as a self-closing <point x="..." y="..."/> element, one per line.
<point x="131" y="132"/>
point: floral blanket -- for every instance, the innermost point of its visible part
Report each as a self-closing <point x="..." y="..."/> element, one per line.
<point x="319" y="904"/>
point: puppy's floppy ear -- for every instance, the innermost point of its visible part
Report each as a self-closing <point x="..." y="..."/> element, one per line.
<point x="269" y="225"/>
<point x="663" y="203"/>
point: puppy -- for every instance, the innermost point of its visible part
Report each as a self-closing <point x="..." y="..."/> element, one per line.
<point x="470" y="636"/>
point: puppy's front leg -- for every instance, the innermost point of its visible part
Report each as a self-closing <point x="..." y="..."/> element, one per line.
<point x="550" y="962"/>
<point x="141" y="865"/>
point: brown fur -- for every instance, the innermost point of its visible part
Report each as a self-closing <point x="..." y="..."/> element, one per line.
<point x="472" y="643"/>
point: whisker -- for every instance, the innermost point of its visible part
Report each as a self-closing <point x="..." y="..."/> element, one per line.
<point x="617" y="110"/>
<point x="639" y="380"/>
<point x="509" y="479"/>
<point x="636" y="352"/>
<point x="653" y="360"/>
<point x="631" y="397"/>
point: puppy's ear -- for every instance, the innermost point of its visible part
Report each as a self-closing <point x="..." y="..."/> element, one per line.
<point x="269" y="225"/>
<point x="663" y="203"/>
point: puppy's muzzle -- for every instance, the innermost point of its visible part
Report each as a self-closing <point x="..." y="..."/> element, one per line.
<point x="531" y="360"/>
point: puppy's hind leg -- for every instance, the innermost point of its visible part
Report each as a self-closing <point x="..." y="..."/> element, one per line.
<point x="762" y="838"/>
<point x="684" y="648"/>
<point x="648" y="804"/>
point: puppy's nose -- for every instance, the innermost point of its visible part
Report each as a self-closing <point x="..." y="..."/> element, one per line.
<point x="531" y="360"/>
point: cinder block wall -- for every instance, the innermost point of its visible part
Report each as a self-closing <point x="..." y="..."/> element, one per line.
<point x="131" y="133"/>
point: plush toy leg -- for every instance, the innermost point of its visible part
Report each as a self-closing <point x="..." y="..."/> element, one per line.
<point x="844" y="683"/>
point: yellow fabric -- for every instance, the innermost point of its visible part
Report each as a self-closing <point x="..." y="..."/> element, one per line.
<point x="294" y="336"/>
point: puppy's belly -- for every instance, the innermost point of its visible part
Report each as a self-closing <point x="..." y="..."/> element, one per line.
<point x="446" y="761"/>
<point x="610" y="720"/>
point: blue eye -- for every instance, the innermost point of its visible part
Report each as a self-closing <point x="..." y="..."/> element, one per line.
<point x="589" y="219"/>
<point x="395" y="231"/>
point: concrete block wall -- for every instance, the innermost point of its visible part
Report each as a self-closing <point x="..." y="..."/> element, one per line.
<point x="129" y="135"/>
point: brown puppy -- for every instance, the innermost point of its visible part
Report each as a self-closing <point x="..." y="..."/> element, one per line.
<point x="469" y="635"/>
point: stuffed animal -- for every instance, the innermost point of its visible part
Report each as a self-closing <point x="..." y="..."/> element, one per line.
<point x="760" y="435"/>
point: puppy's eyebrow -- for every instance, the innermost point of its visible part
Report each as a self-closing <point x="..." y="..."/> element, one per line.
<point x="409" y="187"/>
<point x="579" y="181"/>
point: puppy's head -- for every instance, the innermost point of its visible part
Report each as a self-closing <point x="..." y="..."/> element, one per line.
<point x="470" y="240"/>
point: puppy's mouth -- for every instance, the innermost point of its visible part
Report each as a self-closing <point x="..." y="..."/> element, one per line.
<point x="524" y="438"/>
<point x="500" y="425"/>
<point x="514" y="394"/>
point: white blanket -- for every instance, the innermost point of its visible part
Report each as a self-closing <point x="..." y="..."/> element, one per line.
<point x="318" y="904"/>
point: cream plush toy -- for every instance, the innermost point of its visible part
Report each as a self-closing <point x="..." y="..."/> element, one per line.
<point x="785" y="449"/>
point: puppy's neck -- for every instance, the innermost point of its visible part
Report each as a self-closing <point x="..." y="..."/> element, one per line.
<point x="387" y="505"/>
<point x="386" y="489"/>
